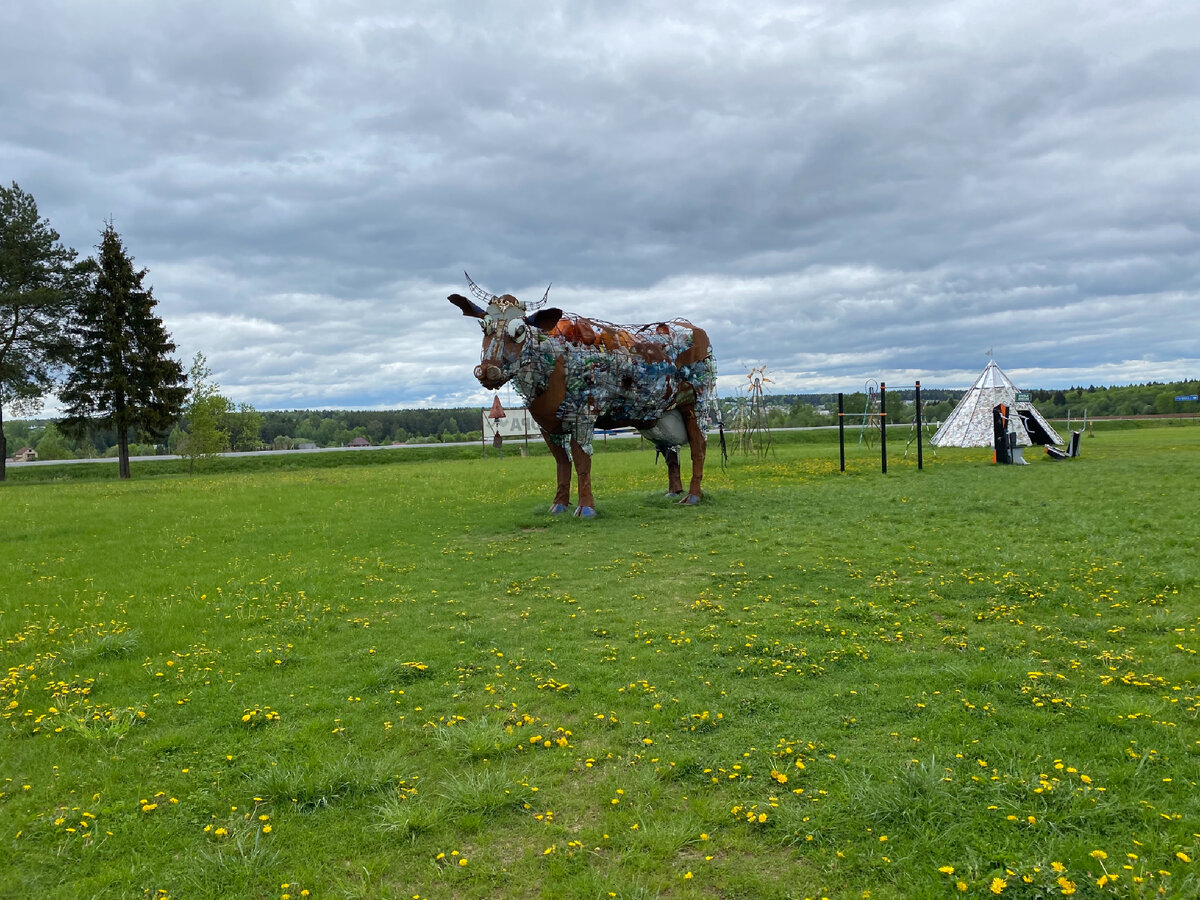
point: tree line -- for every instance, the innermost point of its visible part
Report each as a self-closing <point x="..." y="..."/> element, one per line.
<point x="212" y="423"/>
<point x="1152" y="398"/>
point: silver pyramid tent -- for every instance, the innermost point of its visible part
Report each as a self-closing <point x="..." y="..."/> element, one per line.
<point x="970" y="425"/>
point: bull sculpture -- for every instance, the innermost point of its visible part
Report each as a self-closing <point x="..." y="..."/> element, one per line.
<point x="577" y="374"/>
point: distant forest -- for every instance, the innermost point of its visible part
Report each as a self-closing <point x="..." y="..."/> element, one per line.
<point x="285" y="429"/>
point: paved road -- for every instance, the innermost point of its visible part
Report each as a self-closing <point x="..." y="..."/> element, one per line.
<point x="112" y="459"/>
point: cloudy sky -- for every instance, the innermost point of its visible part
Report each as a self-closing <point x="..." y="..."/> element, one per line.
<point x="835" y="190"/>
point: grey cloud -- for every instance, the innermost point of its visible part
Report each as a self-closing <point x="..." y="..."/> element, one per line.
<point x="832" y="189"/>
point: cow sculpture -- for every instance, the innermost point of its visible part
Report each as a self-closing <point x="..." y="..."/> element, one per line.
<point x="577" y="374"/>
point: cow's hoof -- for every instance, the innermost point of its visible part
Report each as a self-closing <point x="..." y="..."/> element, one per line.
<point x="558" y="509"/>
<point x="586" y="512"/>
<point x="690" y="500"/>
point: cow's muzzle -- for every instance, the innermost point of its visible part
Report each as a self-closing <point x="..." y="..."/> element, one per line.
<point x="489" y="376"/>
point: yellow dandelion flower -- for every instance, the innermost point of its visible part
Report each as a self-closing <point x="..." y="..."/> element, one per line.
<point x="462" y="861"/>
<point x="1098" y="854"/>
<point x="998" y="885"/>
<point x="946" y="870"/>
<point x="1183" y="857"/>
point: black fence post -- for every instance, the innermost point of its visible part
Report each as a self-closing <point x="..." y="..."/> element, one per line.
<point x="841" y="432"/>
<point x="917" y="408"/>
<point x="883" y="427"/>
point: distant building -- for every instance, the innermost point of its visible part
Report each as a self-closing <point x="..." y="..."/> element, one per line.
<point x="25" y="454"/>
<point x="359" y="442"/>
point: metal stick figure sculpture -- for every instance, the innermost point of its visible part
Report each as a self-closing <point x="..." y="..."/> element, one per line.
<point x="754" y="430"/>
<point x="870" y="421"/>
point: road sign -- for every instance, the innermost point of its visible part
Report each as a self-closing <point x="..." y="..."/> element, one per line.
<point x="1186" y="397"/>
<point x="1023" y="397"/>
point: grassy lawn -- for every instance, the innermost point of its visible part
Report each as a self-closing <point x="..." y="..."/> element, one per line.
<point x="406" y="680"/>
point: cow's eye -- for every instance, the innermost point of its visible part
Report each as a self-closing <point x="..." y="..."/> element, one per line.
<point x="516" y="330"/>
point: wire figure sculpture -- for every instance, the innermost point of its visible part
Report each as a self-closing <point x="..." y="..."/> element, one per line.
<point x="752" y="416"/>
<point x="929" y="429"/>
<point x="870" y="418"/>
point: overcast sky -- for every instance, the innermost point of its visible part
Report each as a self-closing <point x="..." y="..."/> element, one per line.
<point x="837" y="191"/>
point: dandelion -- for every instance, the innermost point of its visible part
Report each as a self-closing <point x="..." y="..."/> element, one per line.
<point x="1098" y="854"/>
<point x="998" y="885"/>
<point x="462" y="861"/>
<point x="1183" y="857"/>
<point x="946" y="870"/>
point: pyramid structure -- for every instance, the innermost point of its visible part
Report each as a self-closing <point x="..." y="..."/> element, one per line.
<point x="970" y="425"/>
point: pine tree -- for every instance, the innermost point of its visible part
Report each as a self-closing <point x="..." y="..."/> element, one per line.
<point x="123" y="376"/>
<point x="38" y="280"/>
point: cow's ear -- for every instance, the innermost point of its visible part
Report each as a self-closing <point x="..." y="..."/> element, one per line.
<point x="544" y="319"/>
<point x="468" y="307"/>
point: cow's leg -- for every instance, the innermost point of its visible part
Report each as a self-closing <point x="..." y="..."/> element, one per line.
<point x="562" y="462"/>
<point x="698" y="444"/>
<point x="674" y="479"/>
<point x="583" y="472"/>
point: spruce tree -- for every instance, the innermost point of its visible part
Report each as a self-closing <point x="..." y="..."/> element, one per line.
<point x="37" y="283"/>
<point x="123" y="376"/>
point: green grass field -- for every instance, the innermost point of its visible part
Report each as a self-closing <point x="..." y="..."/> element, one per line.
<point x="406" y="680"/>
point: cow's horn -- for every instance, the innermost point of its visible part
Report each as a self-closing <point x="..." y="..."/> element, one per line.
<point x="480" y="292"/>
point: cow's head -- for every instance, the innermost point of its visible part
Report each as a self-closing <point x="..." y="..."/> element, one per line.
<point x="506" y="329"/>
